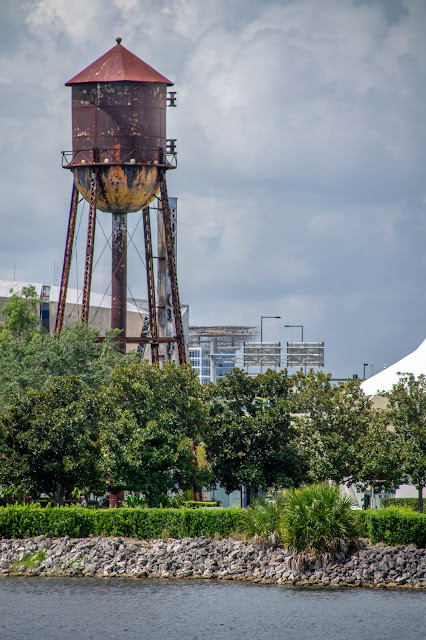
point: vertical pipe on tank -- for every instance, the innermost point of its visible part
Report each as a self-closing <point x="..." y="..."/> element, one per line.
<point x="119" y="274"/>
<point x="161" y="282"/>
<point x="119" y="294"/>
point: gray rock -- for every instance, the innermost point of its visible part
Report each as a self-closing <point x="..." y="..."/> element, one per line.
<point x="210" y="559"/>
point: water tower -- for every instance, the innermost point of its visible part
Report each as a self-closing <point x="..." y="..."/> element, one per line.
<point x="119" y="160"/>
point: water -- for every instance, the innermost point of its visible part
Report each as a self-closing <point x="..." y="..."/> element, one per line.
<point x="108" y="609"/>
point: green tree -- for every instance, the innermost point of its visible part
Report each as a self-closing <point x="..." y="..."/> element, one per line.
<point x="151" y="418"/>
<point x="406" y="412"/>
<point x="21" y="312"/>
<point x="152" y="457"/>
<point x="33" y="361"/>
<point x="381" y="456"/>
<point x="251" y="439"/>
<point x="331" y="419"/>
<point x="148" y="391"/>
<point x="246" y="393"/>
<point x="49" y="440"/>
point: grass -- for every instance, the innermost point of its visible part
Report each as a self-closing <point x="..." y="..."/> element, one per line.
<point x="29" y="561"/>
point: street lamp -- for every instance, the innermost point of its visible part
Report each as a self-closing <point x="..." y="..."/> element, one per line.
<point x="300" y="326"/>
<point x="261" y="324"/>
<point x="365" y="365"/>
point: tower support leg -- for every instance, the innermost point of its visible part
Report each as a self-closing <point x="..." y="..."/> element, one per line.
<point x="119" y="275"/>
<point x="150" y="284"/>
<point x="171" y="264"/>
<point x="162" y="297"/>
<point x="67" y="260"/>
<point x="88" y="267"/>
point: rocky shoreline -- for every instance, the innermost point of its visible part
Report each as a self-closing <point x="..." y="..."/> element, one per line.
<point x="228" y="559"/>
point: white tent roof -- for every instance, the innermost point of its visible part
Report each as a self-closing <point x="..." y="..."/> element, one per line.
<point x="414" y="363"/>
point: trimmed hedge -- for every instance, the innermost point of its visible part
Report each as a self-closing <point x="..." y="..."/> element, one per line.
<point x="193" y="504"/>
<point x="393" y="525"/>
<point x="362" y="523"/>
<point x="26" y="522"/>
<point x="396" y="526"/>
<point x="403" y="502"/>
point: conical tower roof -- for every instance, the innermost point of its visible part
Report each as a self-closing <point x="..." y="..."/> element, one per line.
<point x="116" y="65"/>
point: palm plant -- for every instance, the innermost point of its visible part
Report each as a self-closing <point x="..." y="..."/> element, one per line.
<point x="262" y="519"/>
<point x="135" y="500"/>
<point x="317" y="519"/>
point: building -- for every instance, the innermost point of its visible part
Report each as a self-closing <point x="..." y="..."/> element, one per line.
<point x="99" y="310"/>
<point x="214" y="351"/>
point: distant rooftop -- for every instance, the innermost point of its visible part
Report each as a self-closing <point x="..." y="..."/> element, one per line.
<point x="74" y="296"/>
<point x="224" y="335"/>
<point x="223" y="330"/>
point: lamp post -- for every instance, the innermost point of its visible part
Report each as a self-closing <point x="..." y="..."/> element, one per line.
<point x="300" y="326"/>
<point x="365" y="365"/>
<point x="261" y="332"/>
<point x="261" y="324"/>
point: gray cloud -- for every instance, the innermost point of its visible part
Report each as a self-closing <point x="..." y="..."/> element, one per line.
<point x="301" y="142"/>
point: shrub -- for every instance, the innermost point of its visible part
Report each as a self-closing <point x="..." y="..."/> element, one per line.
<point x="412" y="503"/>
<point x="317" y="519"/>
<point x="261" y="520"/>
<point x="28" y="521"/>
<point x="193" y="504"/>
<point x="135" y="501"/>
<point x="362" y="519"/>
<point x="397" y="526"/>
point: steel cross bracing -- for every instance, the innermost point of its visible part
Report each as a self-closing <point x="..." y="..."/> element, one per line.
<point x="150" y="284"/>
<point x="89" y="249"/>
<point x="67" y="261"/>
<point x="171" y="264"/>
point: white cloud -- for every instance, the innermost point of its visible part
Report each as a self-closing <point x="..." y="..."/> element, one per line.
<point x="301" y="140"/>
<point x="76" y="18"/>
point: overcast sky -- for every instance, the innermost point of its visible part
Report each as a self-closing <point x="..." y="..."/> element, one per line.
<point x="302" y="141"/>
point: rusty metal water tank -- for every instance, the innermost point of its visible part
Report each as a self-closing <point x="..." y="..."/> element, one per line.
<point x="119" y="128"/>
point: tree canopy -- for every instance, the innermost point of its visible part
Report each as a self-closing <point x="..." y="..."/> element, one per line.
<point x="75" y="411"/>
<point x="151" y="418"/>
<point x="406" y="412"/>
<point x="49" y="440"/>
<point x="21" y="312"/>
<point x="331" y="420"/>
<point x="381" y="456"/>
<point x="34" y="360"/>
<point x="251" y="439"/>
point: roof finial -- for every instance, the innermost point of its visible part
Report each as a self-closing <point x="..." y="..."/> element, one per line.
<point x="118" y="40"/>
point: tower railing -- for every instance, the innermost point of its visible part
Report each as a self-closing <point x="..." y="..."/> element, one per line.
<point x="141" y="156"/>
